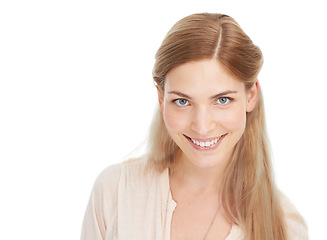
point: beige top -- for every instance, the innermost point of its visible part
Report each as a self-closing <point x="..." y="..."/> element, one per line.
<point x="128" y="204"/>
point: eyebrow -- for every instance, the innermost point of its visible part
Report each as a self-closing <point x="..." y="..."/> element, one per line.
<point x="212" y="97"/>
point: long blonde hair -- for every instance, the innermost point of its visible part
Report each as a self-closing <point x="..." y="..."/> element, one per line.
<point x="249" y="195"/>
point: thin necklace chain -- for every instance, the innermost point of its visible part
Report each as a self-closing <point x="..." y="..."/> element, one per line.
<point x="214" y="218"/>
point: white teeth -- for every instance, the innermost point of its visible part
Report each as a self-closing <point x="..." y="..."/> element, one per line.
<point x="206" y="144"/>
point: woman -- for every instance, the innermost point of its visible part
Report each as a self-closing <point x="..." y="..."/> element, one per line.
<point x="207" y="174"/>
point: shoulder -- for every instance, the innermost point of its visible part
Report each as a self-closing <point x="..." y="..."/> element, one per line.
<point x="113" y="196"/>
<point x="133" y="169"/>
<point x="109" y="176"/>
<point x="296" y="226"/>
<point x="104" y="195"/>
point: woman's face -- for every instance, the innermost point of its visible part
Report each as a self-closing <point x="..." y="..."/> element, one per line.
<point x="204" y="109"/>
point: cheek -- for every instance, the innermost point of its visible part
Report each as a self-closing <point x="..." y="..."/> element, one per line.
<point x="234" y="119"/>
<point x="174" y="120"/>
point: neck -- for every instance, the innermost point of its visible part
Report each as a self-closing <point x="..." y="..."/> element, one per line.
<point x="195" y="179"/>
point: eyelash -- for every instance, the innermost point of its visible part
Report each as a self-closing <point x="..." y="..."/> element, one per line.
<point x="229" y="99"/>
<point x="178" y="99"/>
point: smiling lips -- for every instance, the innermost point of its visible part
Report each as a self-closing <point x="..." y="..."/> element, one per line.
<point x="205" y="144"/>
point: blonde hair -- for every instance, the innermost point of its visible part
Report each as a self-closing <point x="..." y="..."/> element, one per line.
<point x="249" y="195"/>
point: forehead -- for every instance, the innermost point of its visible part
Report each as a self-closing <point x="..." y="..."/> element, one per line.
<point x="207" y="76"/>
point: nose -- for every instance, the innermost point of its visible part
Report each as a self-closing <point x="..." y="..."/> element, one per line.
<point x="203" y="121"/>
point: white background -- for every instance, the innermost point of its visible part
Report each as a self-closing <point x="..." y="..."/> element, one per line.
<point x="76" y="95"/>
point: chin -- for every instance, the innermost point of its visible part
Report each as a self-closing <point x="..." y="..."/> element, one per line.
<point x="207" y="161"/>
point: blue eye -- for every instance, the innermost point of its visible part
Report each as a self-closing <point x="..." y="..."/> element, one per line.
<point x="181" y="102"/>
<point x="223" y="100"/>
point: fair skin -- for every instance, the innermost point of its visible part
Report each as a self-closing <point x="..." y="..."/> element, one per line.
<point x="204" y="109"/>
